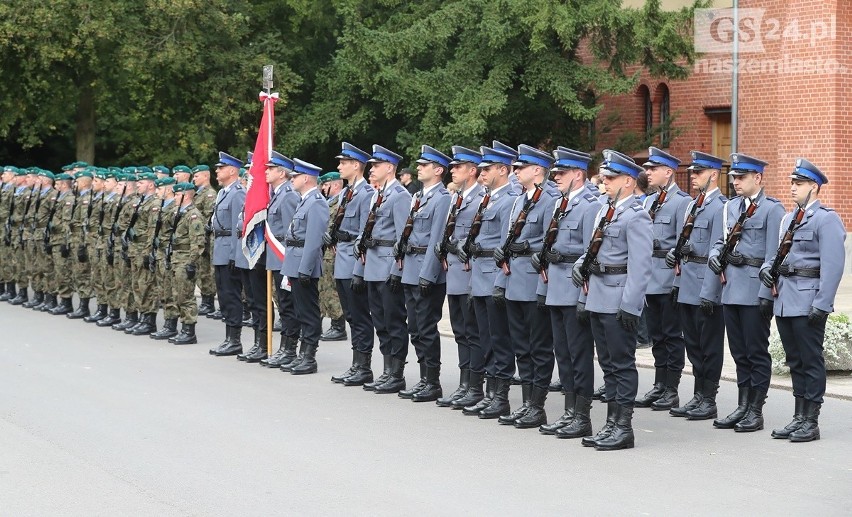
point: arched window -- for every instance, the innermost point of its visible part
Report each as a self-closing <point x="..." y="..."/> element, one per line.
<point x="647" y="110"/>
<point x="665" y="116"/>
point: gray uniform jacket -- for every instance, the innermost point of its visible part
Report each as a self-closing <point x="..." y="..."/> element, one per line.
<point x="492" y="235"/>
<point x="309" y="223"/>
<point x="354" y="218"/>
<point x="696" y="281"/>
<point x="282" y="206"/>
<point x="666" y="224"/>
<point x="628" y="240"/>
<point x="390" y="221"/>
<point x="817" y="243"/>
<point x="226" y="219"/>
<point x="426" y="233"/>
<point x="758" y="242"/>
<point x="458" y="280"/>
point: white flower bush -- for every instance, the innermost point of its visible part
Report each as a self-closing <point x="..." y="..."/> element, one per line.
<point x="837" y="348"/>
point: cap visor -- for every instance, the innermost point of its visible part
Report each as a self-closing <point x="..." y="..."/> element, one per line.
<point x="610" y="173"/>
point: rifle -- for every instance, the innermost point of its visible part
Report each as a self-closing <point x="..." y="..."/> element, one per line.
<point x="475" y="227"/>
<point x="49" y="228"/>
<point x="406" y="231"/>
<point x="101" y="216"/>
<point x="686" y="231"/>
<point x="552" y="232"/>
<point x="170" y="245"/>
<point x="24" y="216"/>
<point x="7" y="239"/>
<point x="450" y="228"/>
<point x="114" y="228"/>
<point x="734" y="236"/>
<point x="35" y="214"/>
<point x="367" y="234"/>
<point x="130" y="233"/>
<point x="597" y="240"/>
<point x="155" y="242"/>
<point x="81" y="249"/>
<point x="786" y="244"/>
<point x="518" y="227"/>
<point x="661" y="199"/>
<point x="338" y="216"/>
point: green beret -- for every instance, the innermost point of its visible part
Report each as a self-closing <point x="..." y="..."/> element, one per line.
<point x="144" y="170"/>
<point x="129" y="176"/>
<point x="47" y="174"/>
<point x="183" y="187"/>
<point x="67" y="167"/>
<point x="21" y="172"/>
<point x="108" y="175"/>
<point x="85" y="173"/>
<point x="146" y="175"/>
<point x="63" y="176"/>
<point x="181" y="168"/>
<point x="165" y="181"/>
<point x="162" y="169"/>
<point x="242" y="172"/>
<point x="32" y="171"/>
<point x="10" y="168"/>
<point x="115" y="170"/>
<point x="329" y="176"/>
<point x="79" y="164"/>
<point x="200" y="168"/>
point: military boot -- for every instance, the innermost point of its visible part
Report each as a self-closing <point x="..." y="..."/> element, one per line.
<point x="232" y="344"/>
<point x="731" y="420"/>
<point x="260" y="352"/>
<point x="383" y="378"/>
<point x="37" y="299"/>
<point x="49" y="303"/>
<point x="206" y="306"/>
<point x="697" y="395"/>
<point x="798" y="419"/>
<point x="669" y="399"/>
<point x="98" y="315"/>
<point x="706" y="409"/>
<point x="753" y="419"/>
<point x="464" y="383"/>
<point x="131" y="318"/>
<point x="82" y="310"/>
<point x="396" y="379"/>
<point x="581" y="425"/>
<point x="656" y="391"/>
<point x="432" y="391"/>
<point x="485" y="401"/>
<point x="295" y="361"/>
<point x="338" y="379"/>
<point x="254" y="348"/>
<point x="40" y="306"/>
<point x="536" y="415"/>
<point x="63" y="307"/>
<point x="407" y="394"/>
<point x="284" y="355"/>
<point x="186" y="336"/>
<point x="168" y="331"/>
<point x="9" y="293"/>
<point x="621" y="436"/>
<point x="363" y="370"/>
<point x="474" y="393"/>
<point x="600" y="393"/>
<point x="215" y="315"/>
<point x="3" y="294"/>
<point x="565" y="419"/>
<point x="309" y="361"/>
<point x="112" y="318"/>
<point x="555" y="387"/>
<point x="336" y="332"/>
<point x="21" y="298"/>
<point x="147" y="325"/>
<point x="809" y="430"/>
<point x="499" y="405"/>
<point x="606" y="430"/>
<point x="510" y="419"/>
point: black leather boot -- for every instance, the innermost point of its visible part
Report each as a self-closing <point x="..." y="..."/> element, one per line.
<point x="706" y="409"/>
<point x="669" y="399"/>
<point x="285" y="354"/>
<point x="309" y="362"/>
<point x="248" y="318"/>
<point x="338" y="379"/>
<point x="555" y="386"/>
<point x="621" y="436"/>
<point x="363" y="370"/>
<point x="407" y="394"/>
<point x="186" y="336"/>
<point x="565" y="419"/>
<point x="40" y="306"/>
<point x="10" y="293"/>
<point x="809" y="430"/>
<point x="260" y="353"/>
<point x="798" y="419"/>
<point x="100" y="314"/>
<point x="295" y="361"/>
<point x="600" y="393"/>
<point x="656" y="391"/>
<point x="206" y="306"/>
<point x="147" y="326"/>
<point x="254" y="348"/>
<point x="697" y="394"/>
<point x="3" y="295"/>
<point x="731" y="420"/>
<point x="131" y="318"/>
<point x="112" y="318"/>
<point x="232" y="344"/>
<point x="168" y="331"/>
<point x="49" y="303"/>
<point x="473" y="394"/>
<point x="464" y="383"/>
<point x="336" y="332"/>
<point x="63" y="307"/>
<point x="215" y="315"/>
<point x="499" y="405"/>
<point x="432" y="391"/>
<point x="38" y="297"/>
<point x="581" y="423"/>
<point x="371" y="386"/>
<point x="396" y="378"/>
<point x="485" y="401"/>
<point x="536" y="415"/>
<point x="509" y="419"/>
<point x="82" y="310"/>
<point x="606" y="430"/>
<point x="21" y="298"/>
<point x="753" y="419"/>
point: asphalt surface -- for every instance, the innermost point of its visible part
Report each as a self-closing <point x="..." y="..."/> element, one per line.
<point x="94" y="422"/>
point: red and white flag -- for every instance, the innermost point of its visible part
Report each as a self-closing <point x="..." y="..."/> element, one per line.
<point x="257" y="197"/>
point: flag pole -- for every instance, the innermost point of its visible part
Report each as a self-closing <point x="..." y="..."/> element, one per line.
<point x="267" y="85"/>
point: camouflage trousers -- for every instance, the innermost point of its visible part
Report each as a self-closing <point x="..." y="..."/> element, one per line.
<point x="165" y="290"/>
<point x="143" y="284"/>
<point x="204" y="278"/>
<point x="123" y="284"/>
<point x="20" y="265"/>
<point x="82" y="274"/>
<point x="96" y="257"/>
<point x="108" y="280"/>
<point x="328" y="298"/>
<point x="183" y="292"/>
<point x="62" y="273"/>
<point x="42" y="269"/>
<point x="7" y="271"/>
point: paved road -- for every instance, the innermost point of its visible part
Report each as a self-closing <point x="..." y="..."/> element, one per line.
<point x="93" y="422"/>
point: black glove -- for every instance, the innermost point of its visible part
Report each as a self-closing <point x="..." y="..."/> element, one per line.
<point x="232" y="266"/>
<point x="395" y="283"/>
<point x="208" y="229"/>
<point x="64" y="251"/>
<point x="498" y="256"/>
<point x="817" y="317"/>
<point x="437" y="251"/>
<point x="707" y="307"/>
<point x="715" y="265"/>
<point x="577" y="274"/>
<point x="674" y="293"/>
<point x="326" y="239"/>
<point x="82" y="254"/>
<point x="766" y="308"/>
<point x="397" y="250"/>
<point x="357" y="249"/>
<point x="425" y="287"/>
<point x="190" y="271"/>
<point x="304" y="280"/>
<point x="358" y="285"/>
<point x="535" y="260"/>
<point x="499" y="296"/>
<point x="671" y="260"/>
<point x="766" y="277"/>
<point x="146" y="262"/>
<point x="582" y="314"/>
<point x="463" y="258"/>
<point x="629" y="322"/>
<point x="541" y="302"/>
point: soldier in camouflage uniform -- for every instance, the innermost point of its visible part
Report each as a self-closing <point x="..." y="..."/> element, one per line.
<point x="22" y="207"/>
<point x="111" y="257"/>
<point x="81" y="270"/>
<point x="205" y="202"/>
<point x="31" y="252"/>
<point x="164" y="276"/>
<point x="331" y="187"/>
<point x="43" y="266"/>
<point x="60" y="251"/>
<point x="140" y="237"/>
<point x="7" y="193"/>
<point x="103" y="186"/>
<point x="187" y="245"/>
<point x="124" y="293"/>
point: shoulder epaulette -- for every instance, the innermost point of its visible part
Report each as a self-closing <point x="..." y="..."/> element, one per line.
<point x="683" y="194"/>
<point x="827" y="209"/>
<point x="443" y="190"/>
<point x="774" y="200"/>
<point x="637" y="208"/>
<point x="398" y="188"/>
<point x="588" y="196"/>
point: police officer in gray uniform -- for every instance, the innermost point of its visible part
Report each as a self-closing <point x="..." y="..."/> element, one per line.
<point x="529" y="319"/>
<point x="423" y="277"/>
<point x="303" y="261"/>
<point x="667" y="213"/>
<point x="226" y="246"/>
<point x="573" y="344"/>
<point x="806" y="284"/>
<point x="748" y="305"/>
<point x="384" y="285"/>
<point x="464" y="170"/>
<point x="616" y="296"/>
<point x="698" y="292"/>
<point x="488" y="286"/>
